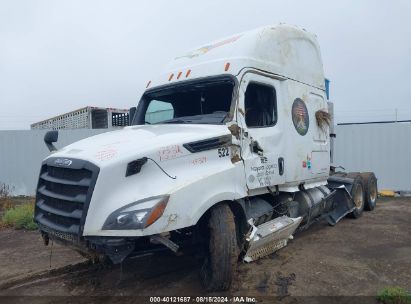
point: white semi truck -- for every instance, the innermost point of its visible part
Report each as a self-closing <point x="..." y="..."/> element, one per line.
<point x="239" y="159"/>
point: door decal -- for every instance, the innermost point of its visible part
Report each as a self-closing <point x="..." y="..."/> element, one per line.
<point x="300" y="117"/>
<point x="262" y="170"/>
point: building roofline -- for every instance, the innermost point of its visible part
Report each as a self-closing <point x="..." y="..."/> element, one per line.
<point x="371" y="122"/>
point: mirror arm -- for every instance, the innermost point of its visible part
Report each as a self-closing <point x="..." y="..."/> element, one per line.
<point x="51" y="147"/>
<point x="49" y="138"/>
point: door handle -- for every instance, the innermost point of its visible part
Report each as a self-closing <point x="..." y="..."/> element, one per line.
<point x="281" y="165"/>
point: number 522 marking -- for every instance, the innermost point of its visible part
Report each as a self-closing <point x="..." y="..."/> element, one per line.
<point x="223" y="152"/>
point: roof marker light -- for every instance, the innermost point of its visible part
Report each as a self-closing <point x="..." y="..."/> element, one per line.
<point x="171" y="77"/>
<point x="227" y="66"/>
<point x="179" y="74"/>
<point x="188" y="73"/>
<point x="148" y="84"/>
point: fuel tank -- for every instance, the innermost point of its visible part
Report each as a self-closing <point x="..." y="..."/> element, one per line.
<point x="311" y="203"/>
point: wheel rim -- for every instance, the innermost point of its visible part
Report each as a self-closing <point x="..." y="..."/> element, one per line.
<point x="358" y="198"/>
<point x="373" y="191"/>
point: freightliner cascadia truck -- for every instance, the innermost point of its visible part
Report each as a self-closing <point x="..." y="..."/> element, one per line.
<point x="237" y="162"/>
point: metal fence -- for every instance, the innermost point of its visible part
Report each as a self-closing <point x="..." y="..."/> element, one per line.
<point x="21" y="153"/>
<point x="382" y="148"/>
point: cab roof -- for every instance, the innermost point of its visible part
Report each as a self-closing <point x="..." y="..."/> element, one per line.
<point x="283" y="50"/>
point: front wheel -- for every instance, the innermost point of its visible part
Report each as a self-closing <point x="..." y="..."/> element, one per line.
<point x="221" y="261"/>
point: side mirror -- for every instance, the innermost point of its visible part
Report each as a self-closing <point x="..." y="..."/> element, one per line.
<point x="51" y="137"/>
<point x="131" y="114"/>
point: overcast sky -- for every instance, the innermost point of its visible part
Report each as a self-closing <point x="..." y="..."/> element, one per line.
<point x="57" y="56"/>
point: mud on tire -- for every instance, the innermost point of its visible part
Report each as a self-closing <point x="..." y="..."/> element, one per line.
<point x="220" y="263"/>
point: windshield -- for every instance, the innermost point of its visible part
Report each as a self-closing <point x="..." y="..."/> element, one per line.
<point x="195" y="102"/>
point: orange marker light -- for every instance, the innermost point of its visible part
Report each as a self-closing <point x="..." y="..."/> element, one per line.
<point x="156" y="213"/>
<point x="188" y="73"/>
<point x="179" y="74"/>
<point x="227" y="66"/>
<point x="171" y="77"/>
<point x="148" y="84"/>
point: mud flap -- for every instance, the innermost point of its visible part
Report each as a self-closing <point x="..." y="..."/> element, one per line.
<point x="343" y="202"/>
<point x="270" y="236"/>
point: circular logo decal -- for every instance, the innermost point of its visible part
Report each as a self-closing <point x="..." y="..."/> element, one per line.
<point x="300" y="117"/>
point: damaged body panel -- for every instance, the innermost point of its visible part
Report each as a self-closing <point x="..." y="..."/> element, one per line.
<point x="270" y="237"/>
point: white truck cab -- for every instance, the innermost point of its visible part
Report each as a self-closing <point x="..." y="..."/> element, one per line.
<point x="229" y="149"/>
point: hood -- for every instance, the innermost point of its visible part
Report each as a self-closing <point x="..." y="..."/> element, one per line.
<point x="138" y="141"/>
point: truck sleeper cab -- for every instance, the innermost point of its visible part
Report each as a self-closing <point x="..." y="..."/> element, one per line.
<point x="226" y="154"/>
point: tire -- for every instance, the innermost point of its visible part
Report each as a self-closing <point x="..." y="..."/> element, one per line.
<point x="220" y="263"/>
<point x="357" y="193"/>
<point x="370" y="190"/>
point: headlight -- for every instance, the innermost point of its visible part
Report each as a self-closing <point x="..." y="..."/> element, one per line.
<point x="137" y="215"/>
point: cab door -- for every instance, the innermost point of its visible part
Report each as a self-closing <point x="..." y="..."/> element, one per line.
<point x="262" y="142"/>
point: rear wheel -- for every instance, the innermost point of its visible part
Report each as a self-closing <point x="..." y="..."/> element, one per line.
<point x="357" y="194"/>
<point x="370" y="190"/>
<point x="221" y="261"/>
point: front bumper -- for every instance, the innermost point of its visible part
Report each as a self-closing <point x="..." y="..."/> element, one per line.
<point x="116" y="248"/>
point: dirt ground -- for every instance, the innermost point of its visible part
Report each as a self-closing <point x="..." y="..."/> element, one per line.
<point x="356" y="257"/>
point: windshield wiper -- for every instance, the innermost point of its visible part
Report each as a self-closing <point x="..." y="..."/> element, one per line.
<point x="211" y="118"/>
<point x="176" y="121"/>
<point x="225" y="116"/>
